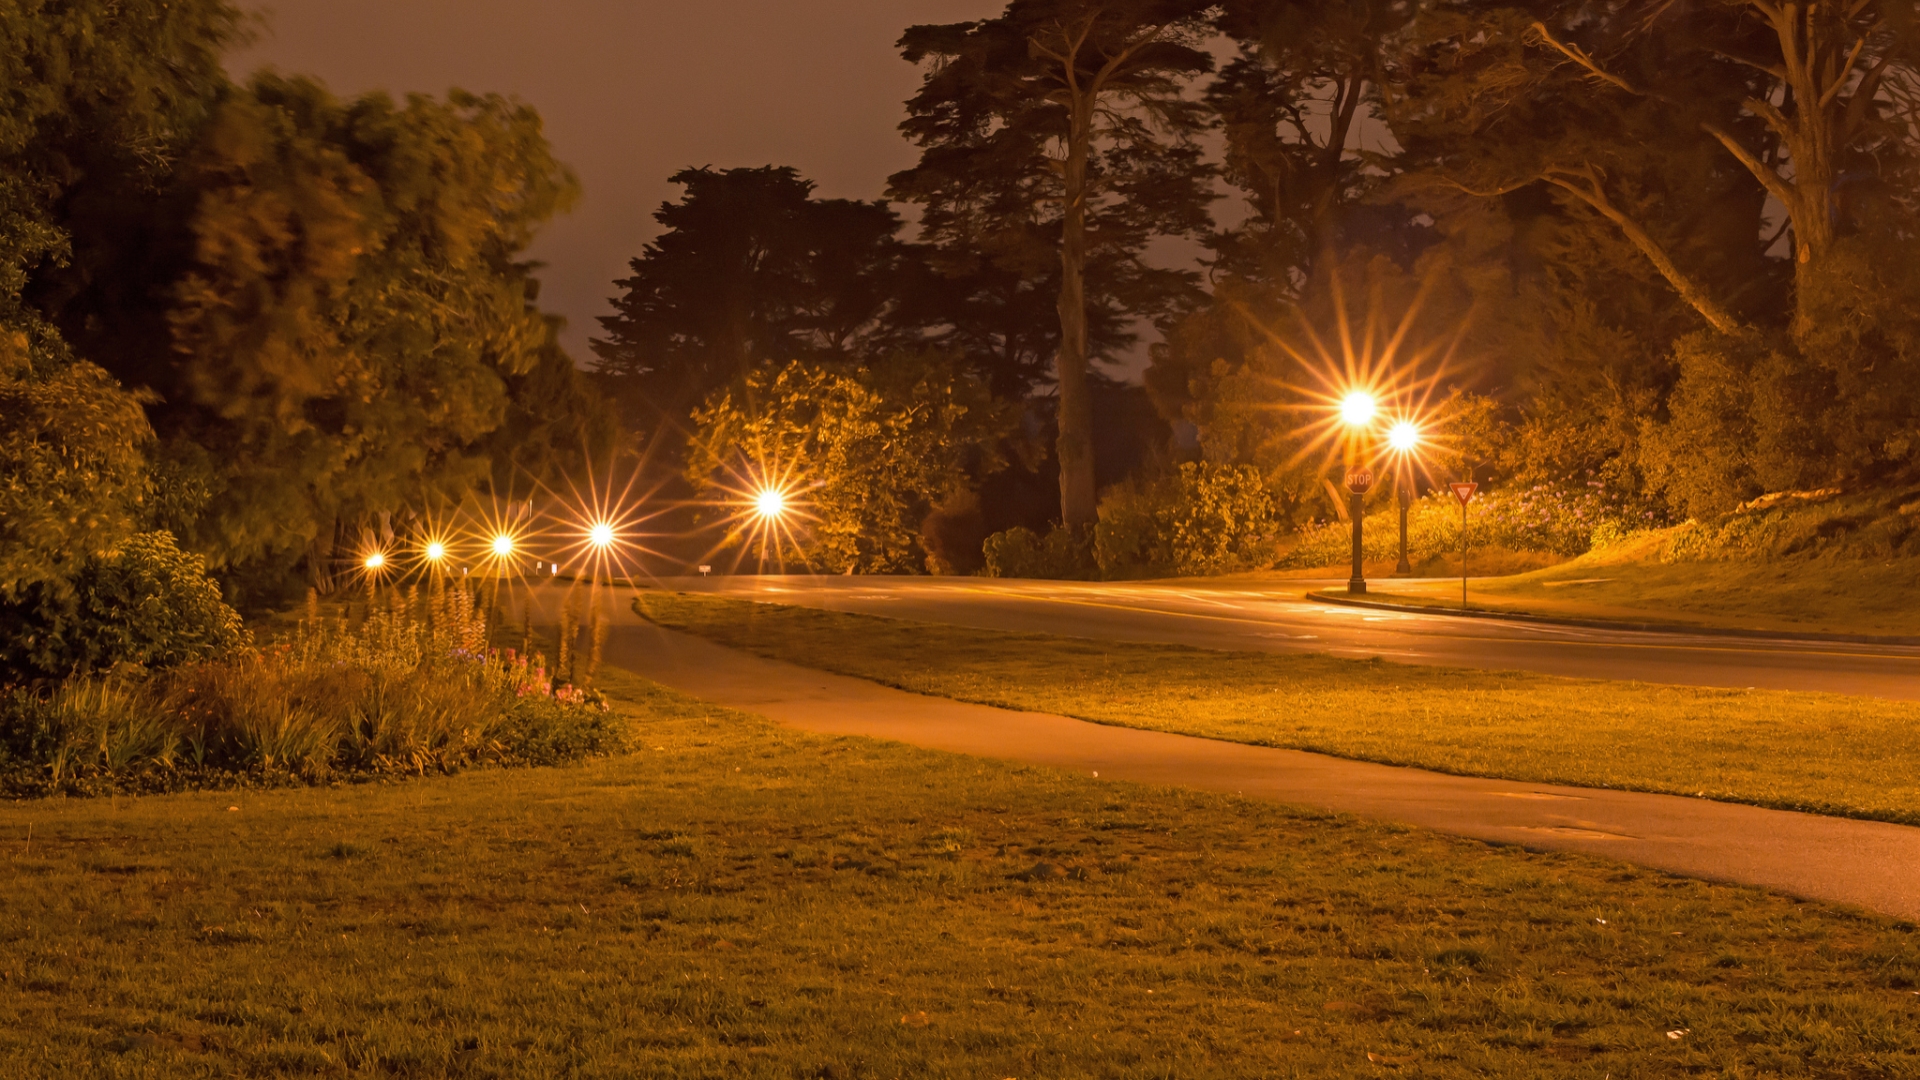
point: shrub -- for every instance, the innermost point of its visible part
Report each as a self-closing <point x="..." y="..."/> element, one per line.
<point x="1542" y="517"/>
<point x="146" y="604"/>
<point x="1745" y="419"/>
<point x="411" y="687"/>
<point x="1201" y="519"/>
<point x="1020" y="552"/>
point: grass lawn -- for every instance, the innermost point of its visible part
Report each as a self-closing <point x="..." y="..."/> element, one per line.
<point x="1839" y="596"/>
<point x="743" y="901"/>
<point x="1827" y="753"/>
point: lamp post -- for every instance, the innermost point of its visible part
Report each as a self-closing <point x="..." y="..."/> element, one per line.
<point x="1357" y="411"/>
<point x="1404" y="438"/>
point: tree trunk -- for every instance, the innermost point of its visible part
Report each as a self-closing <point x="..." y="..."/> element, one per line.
<point x="320" y="551"/>
<point x="1078" y="501"/>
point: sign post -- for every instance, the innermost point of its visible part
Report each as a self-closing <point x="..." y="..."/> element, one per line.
<point x="1463" y="492"/>
<point x="1359" y="479"/>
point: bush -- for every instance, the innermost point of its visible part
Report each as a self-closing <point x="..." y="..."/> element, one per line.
<point x="1201" y="519"/>
<point x="1020" y="552"/>
<point x="1745" y="420"/>
<point x="412" y="687"/>
<point x="147" y="604"/>
<point x="1542" y="518"/>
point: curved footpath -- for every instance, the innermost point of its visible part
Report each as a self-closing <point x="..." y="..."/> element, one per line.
<point x="1870" y="864"/>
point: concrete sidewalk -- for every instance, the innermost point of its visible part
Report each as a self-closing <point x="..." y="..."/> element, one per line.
<point x="1870" y="864"/>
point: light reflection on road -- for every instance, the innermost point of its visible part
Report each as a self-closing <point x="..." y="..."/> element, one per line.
<point x="1279" y="619"/>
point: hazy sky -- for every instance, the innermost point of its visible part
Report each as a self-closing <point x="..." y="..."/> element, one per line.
<point x="633" y="91"/>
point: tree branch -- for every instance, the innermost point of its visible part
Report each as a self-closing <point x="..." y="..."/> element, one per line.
<point x="1579" y="56"/>
<point x="1769" y="179"/>
<point x="1690" y="290"/>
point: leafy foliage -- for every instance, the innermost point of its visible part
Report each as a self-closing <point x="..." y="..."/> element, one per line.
<point x="72" y="465"/>
<point x="878" y="449"/>
<point x="144" y="603"/>
<point x="355" y="303"/>
<point x="1058" y="555"/>
<point x="1200" y="519"/>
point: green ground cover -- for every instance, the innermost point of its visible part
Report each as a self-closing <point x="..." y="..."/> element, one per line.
<point x="1817" y="561"/>
<point x="1825" y="595"/>
<point x="744" y="901"/>
<point x="1820" y="752"/>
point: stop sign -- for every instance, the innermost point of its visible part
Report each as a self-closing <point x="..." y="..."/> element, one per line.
<point x="1359" y="479"/>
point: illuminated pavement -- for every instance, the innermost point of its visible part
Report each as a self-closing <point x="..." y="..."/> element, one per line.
<point x="1869" y="864"/>
<point x="1272" y="617"/>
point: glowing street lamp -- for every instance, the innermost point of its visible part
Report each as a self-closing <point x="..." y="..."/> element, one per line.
<point x="376" y="562"/>
<point x="600" y="536"/>
<point x="770" y="503"/>
<point x="502" y="546"/>
<point x="1357" y="409"/>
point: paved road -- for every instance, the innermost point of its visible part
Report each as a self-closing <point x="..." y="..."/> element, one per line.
<point x="1870" y="864"/>
<point x="1276" y="618"/>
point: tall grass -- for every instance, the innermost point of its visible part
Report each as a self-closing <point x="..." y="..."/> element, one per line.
<point x="407" y="684"/>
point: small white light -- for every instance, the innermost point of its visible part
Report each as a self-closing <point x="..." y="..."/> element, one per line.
<point x="376" y="560"/>
<point x="503" y="545"/>
<point x="601" y="535"/>
<point x="1404" y="436"/>
<point x="436" y="550"/>
<point x="770" y="503"/>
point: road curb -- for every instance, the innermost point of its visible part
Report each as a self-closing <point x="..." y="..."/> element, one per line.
<point x="1618" y="624"/>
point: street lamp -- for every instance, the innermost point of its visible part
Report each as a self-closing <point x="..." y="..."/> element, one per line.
<point x="1404" y="439"/>
<point x="770" y="503"/>
<point x="1357" y="410"/>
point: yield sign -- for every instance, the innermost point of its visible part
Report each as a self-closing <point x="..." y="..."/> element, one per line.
<point x="1464" y="492"/>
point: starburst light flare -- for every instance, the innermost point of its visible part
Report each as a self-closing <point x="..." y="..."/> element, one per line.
<point x="770" y="503"/>
<point x="600" y="526"/>
<point x="1357" y="409"/>
<point x="1403" y="437"/>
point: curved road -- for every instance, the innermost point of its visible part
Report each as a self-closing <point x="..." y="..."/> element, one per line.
<point x="1276" y="617"/>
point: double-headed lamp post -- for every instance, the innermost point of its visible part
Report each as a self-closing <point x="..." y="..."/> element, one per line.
<point x="1357" y="411"/>
<point x="1404" y="439"/>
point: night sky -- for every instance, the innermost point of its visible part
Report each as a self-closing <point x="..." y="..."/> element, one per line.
<point x="634" y="90"/>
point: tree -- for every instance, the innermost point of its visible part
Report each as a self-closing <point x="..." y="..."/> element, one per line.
<point x="751" y="270"/>
<point x="354" y="306"/>
<point x="92" y="88"/>
<point x="869" y="452"/>
<point x="72" y="465"/>
<point x="1830" y="82"/>
<point x="1293" y="106"/>
<point x="1065" y="117"/>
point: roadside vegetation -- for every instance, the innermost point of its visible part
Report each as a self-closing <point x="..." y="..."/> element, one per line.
<point x="1824" y="753"/>
<point x="740" y="900"/>
<point x="1807" y="561"/>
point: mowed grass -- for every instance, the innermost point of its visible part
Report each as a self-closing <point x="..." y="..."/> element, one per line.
<point x="740" y="900"/>
<point x="1821" y="752"/>
<point x="1834" y="596"/>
